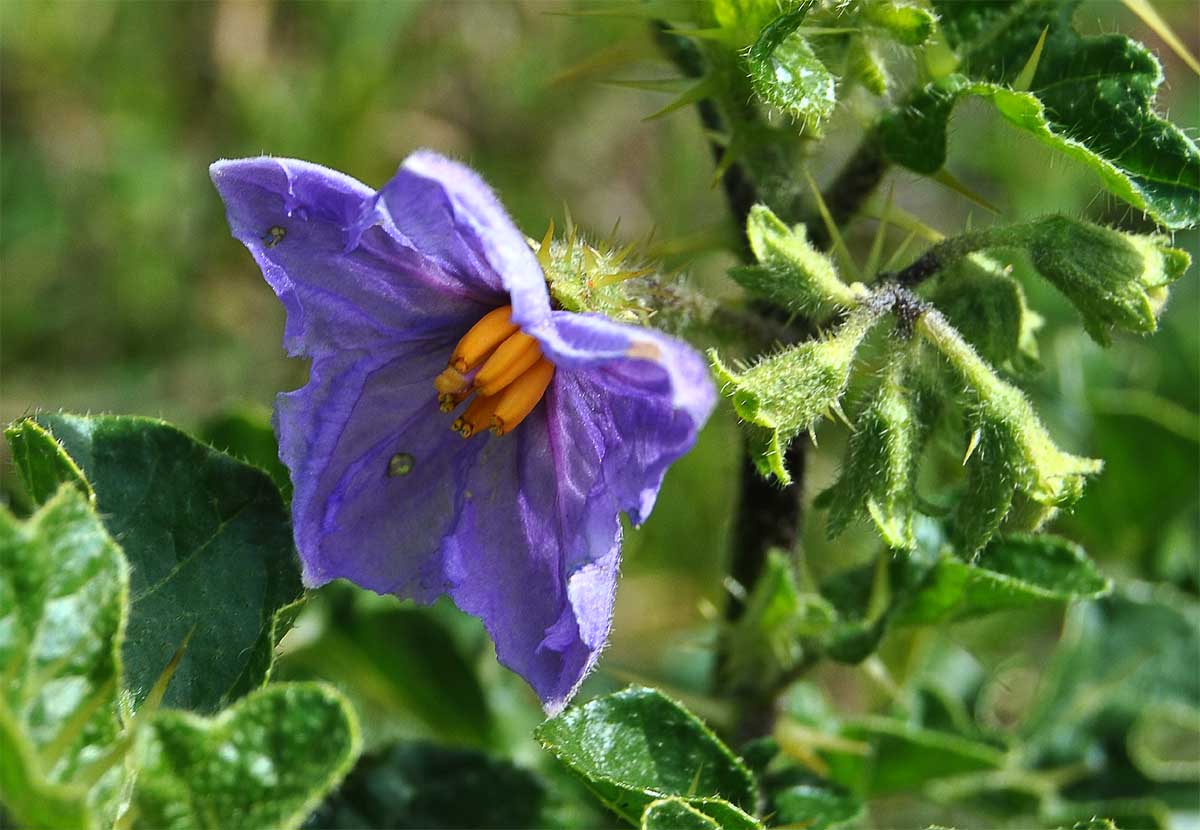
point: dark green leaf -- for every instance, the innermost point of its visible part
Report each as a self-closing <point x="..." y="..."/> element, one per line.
<point x="401" y="661"/>
<point x="636" y="746"/>
<point x="265" y="762"/>
<point x="905" y="757"/>
<point x="245" y="432"/>
<point x="1090" y="98"/>
<point x="42" y="463"/>
<point x="63" y="591"/>
<point x="210" y="549"/>
<point x="798" y="798"/>
<point x="419" y="785"/>
<point x="988" y="307"/>
<point x="1011" y="572"/>
<point x="787" y="74"/>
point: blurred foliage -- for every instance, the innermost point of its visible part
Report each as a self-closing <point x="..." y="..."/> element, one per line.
<point x="122" y="291"/>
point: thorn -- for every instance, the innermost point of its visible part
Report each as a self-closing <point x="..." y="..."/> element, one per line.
<point x="872" y="266"/>
<point x="543" y="252"/>
<point x="839" y="244"/>
<point x="947" y="180"/>
<point x="900" y="251"/>
<point x="697" y="92"/>
<point x="812" y="434"/>
<point x="837" y="410"/>
<point x="975" y="436"/>
<point x="1150" y="16"/>
<point x="1025" y="79"/>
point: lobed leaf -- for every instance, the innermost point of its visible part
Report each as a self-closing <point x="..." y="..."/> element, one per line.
<point x="209" y="545"/>
<point x="267" y="761"/>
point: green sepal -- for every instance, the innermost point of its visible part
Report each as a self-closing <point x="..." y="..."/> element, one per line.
<point x="906" y="23"/>
<point x="879" y="474"/>
<point x="988" y="307"/>
<point x="787" y="74"/>
<point x="1090" y="98"/>
<point x="1007" y="449"/>
<point x="64" y="588"/>
<point x="267" y="761"/>
<point x="784" y="394"/>
<point x="636" y="746"/>
<point x="865" y="64"/>
<point x="791" y="272"/>
<point x="1116" y="280"/>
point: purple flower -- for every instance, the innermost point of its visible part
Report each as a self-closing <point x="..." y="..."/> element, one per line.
<point x="393" y="291"/>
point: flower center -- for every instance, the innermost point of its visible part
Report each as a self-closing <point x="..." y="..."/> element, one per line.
<point x="501" y="369"/>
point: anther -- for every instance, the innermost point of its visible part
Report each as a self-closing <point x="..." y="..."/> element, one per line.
<point x="477" y="416"/>
<point x="492" y="329"/>
<point x="513" y="357"/>
<point x="520" y="397"/>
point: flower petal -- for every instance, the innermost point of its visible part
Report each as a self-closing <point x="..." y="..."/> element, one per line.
<point x="654" y="394"/>
<point x="542" y="583"/>
<point x="341" y="289"/>
<point x="449" y="213"/>
<point x="358" y="515"/>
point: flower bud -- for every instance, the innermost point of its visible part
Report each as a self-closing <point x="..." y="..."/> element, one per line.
<point x="784" y="394"/>
<point x="791" y="272"/>
<point x="879" y="474"/>
<point x="1008" y="450"/>
<point x="1115" y="279"/>
<point x="988" y="307"/>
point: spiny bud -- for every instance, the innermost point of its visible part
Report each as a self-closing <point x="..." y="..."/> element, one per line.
<point x="1008" y="450"/>
<point x="791" y="272"/>
<point x="616" y="281"/>
<point x="784" y="394"/>
<point x="988" y="307"/>
<point x="1115" y="279"/>
<point x="879" y="474"/>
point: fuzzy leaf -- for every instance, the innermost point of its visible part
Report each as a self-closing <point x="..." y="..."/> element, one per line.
<point x="1011" y="572"/>
<point x="265" y="762"/>
<point x="210" y="548"/>
<point x="245" y="432"/>
<point x="63" y="591"/>
<point x="636" y="746"/>
<point x="906" y="23"/>
<point x="791" y="272"/>
<point x="784" y="394"/>
<point x="421" y="785"/>
<point x="1090" y="98"/>
<point x="787" y="74"/>
<point x="41" y="462"/>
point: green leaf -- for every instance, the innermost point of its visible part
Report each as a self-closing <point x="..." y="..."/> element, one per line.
<point x="421" y="785"/>
<point x="1090" y="98"/>
<point x="675" y="814"/>
<point x="788" y="75"/>
<point x="764" y="644"/>
<point x="210" y="549"/>
<point x="784" y="394"/>
<point x="41" y="462"/>
<point x="905" y="757"/>
<point x="400" y="662"/>
<point x="1011" y="572"/>
<point x="636" y="746"/>
<point x="265" y="762"/>
<point x="988" y="307"/>
<point x="245" y="432"/>
<point x="63" y="590"/>
<point x="797" y="798"/>
<point x="791" y="272"/>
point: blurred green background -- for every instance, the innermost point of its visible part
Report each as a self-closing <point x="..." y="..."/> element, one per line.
<point x="123" y="292"/>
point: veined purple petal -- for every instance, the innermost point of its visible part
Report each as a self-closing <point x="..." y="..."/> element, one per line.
<point x="450" y="214"/>
<point x="294" y="218"/>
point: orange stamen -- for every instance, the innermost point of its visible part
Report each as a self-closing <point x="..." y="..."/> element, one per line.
<point x="520" y="397"/>
<point x="492" y="329"/>
<point x="477" y="416"/>
<point x="514" y="356"/>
